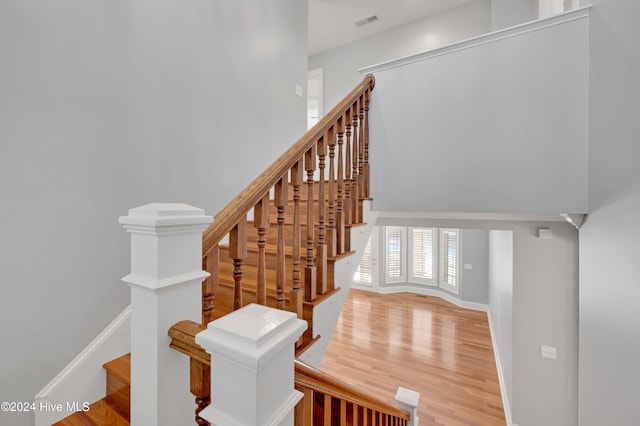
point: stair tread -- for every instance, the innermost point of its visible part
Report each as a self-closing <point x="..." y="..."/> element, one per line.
<point x="121" y="367"/>
<point x="99" y="413"/>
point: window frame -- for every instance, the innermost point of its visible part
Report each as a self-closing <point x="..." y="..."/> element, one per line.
<point x="413" y="278"/>
<point x="402" y="277"/>
<point x="442" y="283"/>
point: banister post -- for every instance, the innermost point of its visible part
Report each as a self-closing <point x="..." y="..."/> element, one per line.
<point x="252" y="366"/>
<point x="165" y="280"/>
<point x="408" y="400"/>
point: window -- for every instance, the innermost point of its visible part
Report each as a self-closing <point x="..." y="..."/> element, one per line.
<point x="426" y="256"/>
<point x="449" y="259"/>
<point x="421" y="265"/>
<point x="395" y="253"/>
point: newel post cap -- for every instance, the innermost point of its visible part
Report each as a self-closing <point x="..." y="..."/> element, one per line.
<point x="165" y="216"/>
<point x="251" y="335"/>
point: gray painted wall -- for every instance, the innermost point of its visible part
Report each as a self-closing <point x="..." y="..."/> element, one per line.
<point x="507" y="13"/>
<point x="610" y="237"/>
<point x="545" y="312"/>
<point x="523" y="101"/>
<point x="474" y="251"/>
<point x="105" y="106"/>
<point x="340" y="66"/>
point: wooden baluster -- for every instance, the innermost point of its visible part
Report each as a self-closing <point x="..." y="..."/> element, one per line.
<point x="355" y="193"/>
<point x="321" y="249"/>
<point x="354" y="414"/>
<point x="304" y="409"/>
<point x="310" y="269"/>
<point x="360" y="160"/>
<point x="238" y="252"/>
<point x="261" y="222"/>
<point x="200" y="387"/>
<point x="296" y="294"/>
<point x="365" y="185"/>
<point x="365" y="416"/>
<point x="331" y="228"/>
<point x="281" y="204"/>
<point x="347" y="202"/>
<point x="343" y="412"/>
<point x="210" y="285"/>
<point x="339" y="204"/>
<point x="327" y="410"/>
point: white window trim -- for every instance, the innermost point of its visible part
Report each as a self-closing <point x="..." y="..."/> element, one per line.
<point x="410" y="253"/>
<point x="452" y="288"/>
<point x="403" y="250"/>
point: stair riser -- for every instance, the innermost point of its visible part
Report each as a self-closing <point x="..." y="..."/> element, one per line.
<point x="250" y="269"/>
<point x="118" y="395"/>
<point x="272" y="234"/>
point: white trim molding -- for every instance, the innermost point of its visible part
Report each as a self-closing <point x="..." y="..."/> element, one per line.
<point x="492" y="37"/>
<point x="503" y="384"/>
<point x="425" y="291"/>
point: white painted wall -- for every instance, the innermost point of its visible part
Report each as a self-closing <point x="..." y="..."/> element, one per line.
<point x="501" y="308"/>
<point x="502" y="118"/>
<point x="609" y="238"/>
<point x="340" y="66"/>
<point x="105" y="106"/>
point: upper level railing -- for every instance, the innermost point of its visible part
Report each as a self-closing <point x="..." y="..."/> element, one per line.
<point x="332" y="402"/>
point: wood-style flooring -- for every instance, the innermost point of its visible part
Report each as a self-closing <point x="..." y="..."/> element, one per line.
<point x="422" y="343"/>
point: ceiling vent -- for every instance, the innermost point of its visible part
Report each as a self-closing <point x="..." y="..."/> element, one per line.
<point x="366" y="21"/>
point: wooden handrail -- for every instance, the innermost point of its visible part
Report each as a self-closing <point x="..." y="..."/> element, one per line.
<point x="229" y="216"/>
<point x="309" y="377"/>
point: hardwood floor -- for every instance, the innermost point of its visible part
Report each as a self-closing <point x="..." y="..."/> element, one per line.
<point x="422" y="343"/>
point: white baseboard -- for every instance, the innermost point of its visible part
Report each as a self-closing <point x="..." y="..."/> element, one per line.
<point x="426" y="291"/>
<point x="503" y="385"/>
<point x="83" y="380"/>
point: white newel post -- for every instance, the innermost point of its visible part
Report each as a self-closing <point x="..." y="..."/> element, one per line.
<point x="408" y="400"/>
<point x="165" y="280"/>
<point x="252" y="367"/>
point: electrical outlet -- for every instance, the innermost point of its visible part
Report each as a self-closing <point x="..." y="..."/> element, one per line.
<point x="468" y="266"/>
<point x="299" y="90"/>
<point x="547" y="352"/>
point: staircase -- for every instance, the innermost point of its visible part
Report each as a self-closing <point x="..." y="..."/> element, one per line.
<point x="224" y="299"/>
<point x="276" y="244"/>
<point x="114" y="408"/>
